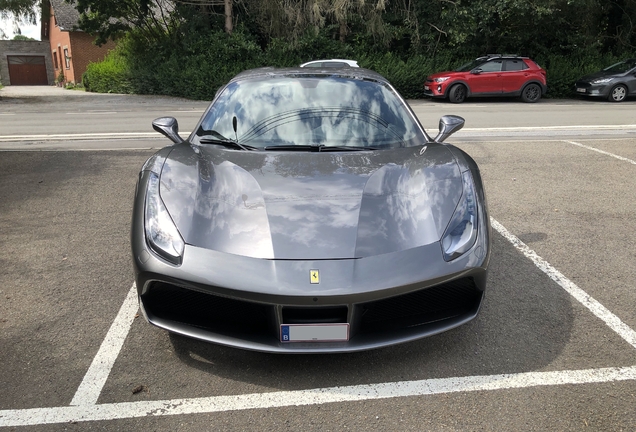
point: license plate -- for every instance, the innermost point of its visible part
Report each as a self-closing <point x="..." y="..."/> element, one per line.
<point x="314" y="332"/>
<point x="426" y="87"/>
<point x="580" y="90"/>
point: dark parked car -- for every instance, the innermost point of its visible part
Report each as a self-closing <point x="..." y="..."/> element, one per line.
<point x="491" y="75"/>
<point x="309" y="211"/>
<point x="614" y="83"/>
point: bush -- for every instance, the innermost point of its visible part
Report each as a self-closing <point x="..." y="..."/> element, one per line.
<point x="195" y="68"/>
<point x="112" y="75"/>
<point x="564" y="71"/>
<point x="197" y="63"/>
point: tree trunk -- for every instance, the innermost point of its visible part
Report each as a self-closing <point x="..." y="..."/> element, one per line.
<point x="343" y="31"/>
<point x="228" y="16"/>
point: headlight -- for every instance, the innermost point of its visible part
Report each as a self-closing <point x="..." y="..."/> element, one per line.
<point x="441" y="80"/>
<point x="461" y="232"/>
<point x="161" y="233"/>
<point x="602" y="80"/>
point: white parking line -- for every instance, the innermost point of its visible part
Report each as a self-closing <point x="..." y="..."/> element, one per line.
<point x="94" y="380"/>
<point x="602" y="152"/>
<point x="84" y="408"/>
<point x="319" y="396"/>
<point x="585" y="299"/>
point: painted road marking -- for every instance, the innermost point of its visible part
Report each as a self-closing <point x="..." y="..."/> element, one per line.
<point x="37" y="148"/>
<point x="91" y="113"/>
<point x="602" y="152"/>
<point x="84" y="408"/>
<point x="585" y="299"/>
<point x="473" y="131"/>
<point x="94" y="380"/>
<point x="38" y="416"/>
<point x="83" y="136"/>
<point x="555" y="128"/>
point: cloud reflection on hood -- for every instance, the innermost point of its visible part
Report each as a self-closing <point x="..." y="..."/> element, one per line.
<point x="310" y="205"/>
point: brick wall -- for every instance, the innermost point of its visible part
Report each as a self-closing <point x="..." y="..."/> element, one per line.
<point x="81" y="51"/>
<point x="8" y="48"/>
<point x="59" y="40"/>
<point x="85" y="51"/>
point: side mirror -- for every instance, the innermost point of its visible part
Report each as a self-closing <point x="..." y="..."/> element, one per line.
<point x="476" y="71"/>
<point x="448" y="125"/>
<point x="169" y="127"/>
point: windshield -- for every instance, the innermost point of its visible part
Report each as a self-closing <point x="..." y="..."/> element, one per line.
<point x="470" y="65"/>
<point x="621" y="67"/>
<point x="311" y="110"/>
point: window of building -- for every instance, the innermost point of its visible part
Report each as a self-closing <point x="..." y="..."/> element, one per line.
<point x="67" y="59"/>
<point x="55" y="63"/>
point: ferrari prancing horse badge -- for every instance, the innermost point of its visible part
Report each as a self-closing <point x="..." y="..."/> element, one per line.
<point x="314" y="276"/>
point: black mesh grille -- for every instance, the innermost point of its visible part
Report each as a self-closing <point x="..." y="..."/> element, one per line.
<point x="428" y="305"/>
<point x="209" y="311"/>
<point x="314" y="315"/>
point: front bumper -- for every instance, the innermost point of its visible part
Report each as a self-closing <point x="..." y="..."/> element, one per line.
<point x="433" y="89"/>
<point x="241" y="302"/>
<point x="594" y="90"/>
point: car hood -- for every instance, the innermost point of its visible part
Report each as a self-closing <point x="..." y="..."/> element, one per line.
<point x="451" y="74"/>
<point x="310" y="205"/>
<point x="599" y="74"/>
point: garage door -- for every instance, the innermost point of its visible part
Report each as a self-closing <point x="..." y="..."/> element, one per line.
<point x="27" y="70"/>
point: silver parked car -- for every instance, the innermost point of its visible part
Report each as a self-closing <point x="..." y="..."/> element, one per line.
<point x="309" y="212"/>
<point x="337" y="63"/>
<point x="614" y="83"/>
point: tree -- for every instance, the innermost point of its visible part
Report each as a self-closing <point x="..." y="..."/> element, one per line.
<point x="110" y="19"/>
<point x="18" y="11"/>
<point x="21" y="9"/>
<point x="290" y="19"/>
<point x="20" y="37"/>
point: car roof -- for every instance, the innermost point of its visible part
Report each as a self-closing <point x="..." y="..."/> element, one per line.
<point x="296" y="72"/>
<point x="351" y="63"/>
<point x="502" y="56"/>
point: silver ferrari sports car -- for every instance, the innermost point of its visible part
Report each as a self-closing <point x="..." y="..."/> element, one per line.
<point x="308" y="212"/>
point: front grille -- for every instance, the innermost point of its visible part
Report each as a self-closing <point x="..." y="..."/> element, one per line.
<point x="209" y="311"/>
<point x="425" y="306"/>
<point x="315" y="315"/>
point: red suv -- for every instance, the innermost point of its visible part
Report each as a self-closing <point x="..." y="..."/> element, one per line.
<point x="492" y="75"/>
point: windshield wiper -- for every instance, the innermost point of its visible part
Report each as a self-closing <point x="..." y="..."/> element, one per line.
<point x="316" y="148"/>
<point x="213" y="137"/>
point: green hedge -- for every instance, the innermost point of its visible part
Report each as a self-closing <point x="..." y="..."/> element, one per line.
<point x="564" y="71"/>
<point x="196" y="66"/>
<point x="112" y="75"/>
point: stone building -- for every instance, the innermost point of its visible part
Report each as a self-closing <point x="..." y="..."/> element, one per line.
<point x="25" y="63"/>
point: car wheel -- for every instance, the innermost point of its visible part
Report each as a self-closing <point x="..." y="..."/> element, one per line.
<point x="457" y="93"/>
<point x="531" y="93"/>
<point x="618" y="93"/>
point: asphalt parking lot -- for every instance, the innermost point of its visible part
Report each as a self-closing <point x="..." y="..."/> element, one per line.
<point x="554" y="347"/>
